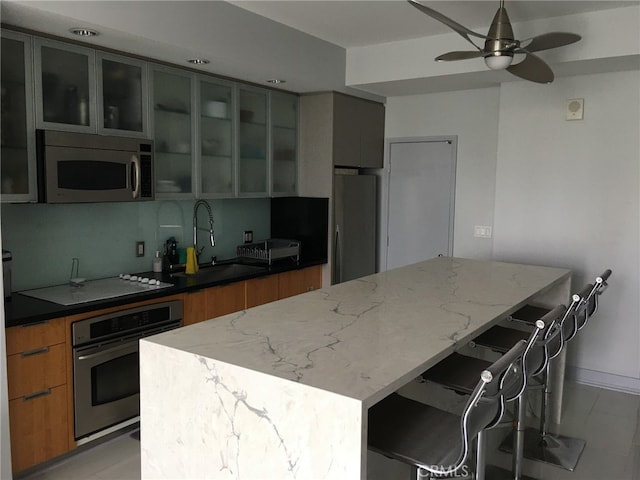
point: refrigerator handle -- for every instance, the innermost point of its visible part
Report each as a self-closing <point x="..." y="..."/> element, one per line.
<point x="337" y="256"/>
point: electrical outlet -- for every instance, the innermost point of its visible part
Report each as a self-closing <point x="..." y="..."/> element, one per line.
<point x="248" y="236"/>
<point x="139" y="249"/>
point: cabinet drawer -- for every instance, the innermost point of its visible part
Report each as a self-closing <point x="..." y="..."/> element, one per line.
<point x="36" y="370"/>
<point x="39" y="429"/>
<point x="31" y="337"/>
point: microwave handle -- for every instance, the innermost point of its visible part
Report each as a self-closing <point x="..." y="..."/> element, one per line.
<point x="135" y="175"/>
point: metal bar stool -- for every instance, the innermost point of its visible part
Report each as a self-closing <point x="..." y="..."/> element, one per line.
<point x="458" y="372"/>
<point x="438" y="443"/>
<point x="540" y="445"/>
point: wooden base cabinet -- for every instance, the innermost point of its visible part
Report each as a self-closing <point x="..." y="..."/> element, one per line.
<point x="262" y="290"/>
<point x="39" y="427"/>
<point x="38" y="392"/>
<point x="225" y="299"/>
<point x="296" y="282"/>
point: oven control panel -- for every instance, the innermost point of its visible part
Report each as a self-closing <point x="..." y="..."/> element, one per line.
<point x="125" y="322"/>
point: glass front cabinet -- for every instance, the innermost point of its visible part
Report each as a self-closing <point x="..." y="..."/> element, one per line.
<point x="65" y="87"/>
<point x="216" y="138"/>
<point x="79" y="89"/>
<point x="213" y="138"/>
<point x="173" y="132"/>
<point x="123" y="99"/>
<point x="253" y="169"/>
<point x="17" y="146"/>
<point x="284" y="144"/>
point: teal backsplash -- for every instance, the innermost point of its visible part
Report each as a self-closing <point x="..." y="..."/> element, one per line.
<point x="44" y="238"/>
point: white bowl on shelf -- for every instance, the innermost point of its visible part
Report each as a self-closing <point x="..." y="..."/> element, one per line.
<point x="215" y="109"/>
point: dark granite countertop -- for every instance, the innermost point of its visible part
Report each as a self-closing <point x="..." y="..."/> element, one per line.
<point x="22" y="310"/>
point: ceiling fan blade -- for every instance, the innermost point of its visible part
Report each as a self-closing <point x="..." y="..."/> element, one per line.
<point x="532" y="68"/>
<point x="460" y="29"/>
<point x="550" y="40"/>
<point x="450" y="56"/>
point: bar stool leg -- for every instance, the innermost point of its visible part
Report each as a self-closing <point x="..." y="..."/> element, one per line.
<point x="516" y="440"/>
<point x="541" y="446"/>
<point x="481" y="461"/>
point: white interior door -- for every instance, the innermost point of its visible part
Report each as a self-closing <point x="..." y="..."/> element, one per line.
<point x="420" y="200"/>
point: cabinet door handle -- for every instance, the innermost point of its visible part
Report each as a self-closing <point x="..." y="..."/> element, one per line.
<point x="31" y="396"/>
<point x="37" y="351"/>
<point x="34" y="324"/>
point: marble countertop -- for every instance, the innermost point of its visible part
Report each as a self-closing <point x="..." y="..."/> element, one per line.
<point x="366" y="338"/>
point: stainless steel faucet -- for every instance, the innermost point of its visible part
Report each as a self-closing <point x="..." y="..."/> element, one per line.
<point x="195" y="225"/>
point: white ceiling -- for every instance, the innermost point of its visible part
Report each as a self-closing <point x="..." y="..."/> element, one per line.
<point x="355" y="23"/>
<point x="319" y="45"/>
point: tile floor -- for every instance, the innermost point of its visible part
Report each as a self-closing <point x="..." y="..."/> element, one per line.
<point x="607" y="420"/>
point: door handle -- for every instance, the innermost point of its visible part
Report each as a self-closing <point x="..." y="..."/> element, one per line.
<point x="337" y="255"/>
<point x="109" y="351"/>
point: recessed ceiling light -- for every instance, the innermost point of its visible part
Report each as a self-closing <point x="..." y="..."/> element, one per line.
<point x="198" y="61"/>
<point x="84" y="32"/>
<point x="276" y="81"/>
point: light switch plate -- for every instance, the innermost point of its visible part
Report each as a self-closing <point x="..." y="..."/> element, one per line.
<point x="575" y="109"/>
<point x="482" y="231"/>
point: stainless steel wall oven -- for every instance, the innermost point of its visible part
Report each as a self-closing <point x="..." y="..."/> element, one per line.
<point x="106" y="374"/>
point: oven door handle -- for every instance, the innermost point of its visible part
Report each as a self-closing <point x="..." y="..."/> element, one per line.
<point x="106" y="351"/>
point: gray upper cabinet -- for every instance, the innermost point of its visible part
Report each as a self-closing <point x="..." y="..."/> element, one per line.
<point x="358" y="132"/>
<point x="253" y="166"/>
<point x="174" y="124"/>
<point x="65" y="87"/>
<point x="17" y="132"/>
<point x="284" y="143"/>
<point x="122" y="106"/>
<point x="81" y="90"/>
<point x="213" y="138"/>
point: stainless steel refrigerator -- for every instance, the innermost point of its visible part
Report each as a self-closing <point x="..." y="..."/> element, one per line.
<point x="354" y="234"/>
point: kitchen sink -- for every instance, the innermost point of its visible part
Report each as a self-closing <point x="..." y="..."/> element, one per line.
<point x="224" y="271"/>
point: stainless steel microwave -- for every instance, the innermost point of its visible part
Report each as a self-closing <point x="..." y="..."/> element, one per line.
<point x="81" y="167"/>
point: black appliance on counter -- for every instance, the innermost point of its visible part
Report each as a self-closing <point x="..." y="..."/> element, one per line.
<point x="305" y="219"/>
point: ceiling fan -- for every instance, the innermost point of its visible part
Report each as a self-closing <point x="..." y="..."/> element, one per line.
<point x="500" y="46"/>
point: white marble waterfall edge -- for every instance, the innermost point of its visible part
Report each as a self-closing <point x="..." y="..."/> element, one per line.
<point x="229" y="422"/>
<point x="282" y="390"/>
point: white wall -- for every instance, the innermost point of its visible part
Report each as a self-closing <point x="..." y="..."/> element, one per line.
<point x="472" y="115"/>
<point x="567" y="194"/>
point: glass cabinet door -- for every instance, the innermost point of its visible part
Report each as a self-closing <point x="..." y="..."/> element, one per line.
<point x="122" y="94"/>
<point x="217" y="166"/>
<point x="17" y="145"/>
<point x="284" y="135"/>
<point x="65" y="87"/>
<point x="252" y="138"/>
<point x="173" y="132"/>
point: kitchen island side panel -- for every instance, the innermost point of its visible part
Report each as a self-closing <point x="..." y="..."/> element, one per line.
<point x="224" y="422"/>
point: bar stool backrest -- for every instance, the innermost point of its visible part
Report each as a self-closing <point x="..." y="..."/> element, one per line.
<point x="536" y="356"/>
<point x="485" y="407"/>
<point x="590" y="304"/>
<point x="565" y="328"/>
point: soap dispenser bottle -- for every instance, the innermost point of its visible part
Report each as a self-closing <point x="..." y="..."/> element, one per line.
<point x="157" y="262"/>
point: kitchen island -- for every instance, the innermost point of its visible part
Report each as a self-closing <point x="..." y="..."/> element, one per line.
<point x="282" y="390"/>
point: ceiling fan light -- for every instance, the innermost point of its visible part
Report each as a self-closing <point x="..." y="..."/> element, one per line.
<point x="498" y="61"/>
